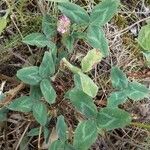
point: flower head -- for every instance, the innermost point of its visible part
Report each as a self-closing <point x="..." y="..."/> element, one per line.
<point x="63" y="25"/>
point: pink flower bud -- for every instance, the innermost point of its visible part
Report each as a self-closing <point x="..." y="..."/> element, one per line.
<point x="63" y="25"/>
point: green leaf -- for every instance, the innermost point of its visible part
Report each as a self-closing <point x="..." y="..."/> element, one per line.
<point x="116" y="98"/>
<point x="68" y="41"/>
<point x="144" y="37"/>
<point x="3" y="114"/>
<point x="35" y="93"/>
<point x="85" y="135"/>
<point x="96" y="38"/>
<point x="22" y="104"/>
<point x="40" y="113"/>
<point x="57" y="145"/>
<point x="112" y="118"/>
<point x="93" y="57"/>
<point x="137" y="91"/>
<point x="69" y="147"/>
<point x="103" y="12"/>
<point x="29" y="75"/>
<point x="61" y="128"/>
<point x="76" y="13"/>
<point x="3" y="23"/>
<point x="33" y="132"/>
<point x="73" y="68"/>
<point x="86" y="84"/>
<point x="118" y="78"/>
<point x="48" y="26"/>
<point x="36" y="39"/>
<point x="47" y="67"/>
<point x="48" y="91"/>
<point x="83" y="103"/>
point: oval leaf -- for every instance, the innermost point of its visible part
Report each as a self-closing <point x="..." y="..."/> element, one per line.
<point x="22" y="104"/>
<point x="118" y="78"/>
<point x="29" y="75"/>
<point x="86" y="84"/>
<point x="61" y="128"/>
<point x="35" y="93"/>
<point x="76" y="13"/>
<point x="36" y="39"/>
<point x="83" y="103"/>
<point x="137" y="91"/>
<point x="144" y="37"/>
<point x="40" y="113"/>
<point x="104" y="11"/>
<point x="85" y="135"/>
<point x="47" y="66"/>
<point x="96" y="38"/>
<point x="48" y="91"/>
<point x="93" y="57"/>
<point x="116" y="99"/>
<point x="48" y="26"/>
<point x="112" y="118"/>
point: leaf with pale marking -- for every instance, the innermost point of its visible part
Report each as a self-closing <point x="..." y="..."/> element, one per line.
<point x="36" y="39"/>
<point x="116" y="98"/>
<point x="48" y="91"/>
<point x="29" y="75"/>
<point x="22" y="104"/>
<point x="61" y="128"/>
<point x="40" y="113"/>
<point x="48" y="26"/>
<point x="118" y="78"/>
<point x="47" y="66"/>
<point x="76" y="13"/>
<point x="103" y="12"/>
<point x="93" y="57"/>
<point x="86" y="84"/>
<point x="83" y="103"/>
<point x="137" y="91"/>
<point x="35" y="93"/>
<point x="112" y="118"/>
<point x="96" y="38"/>
<point x="85" y="135"/>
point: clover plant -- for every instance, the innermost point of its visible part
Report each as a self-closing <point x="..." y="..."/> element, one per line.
<point x="74" y="24"/>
